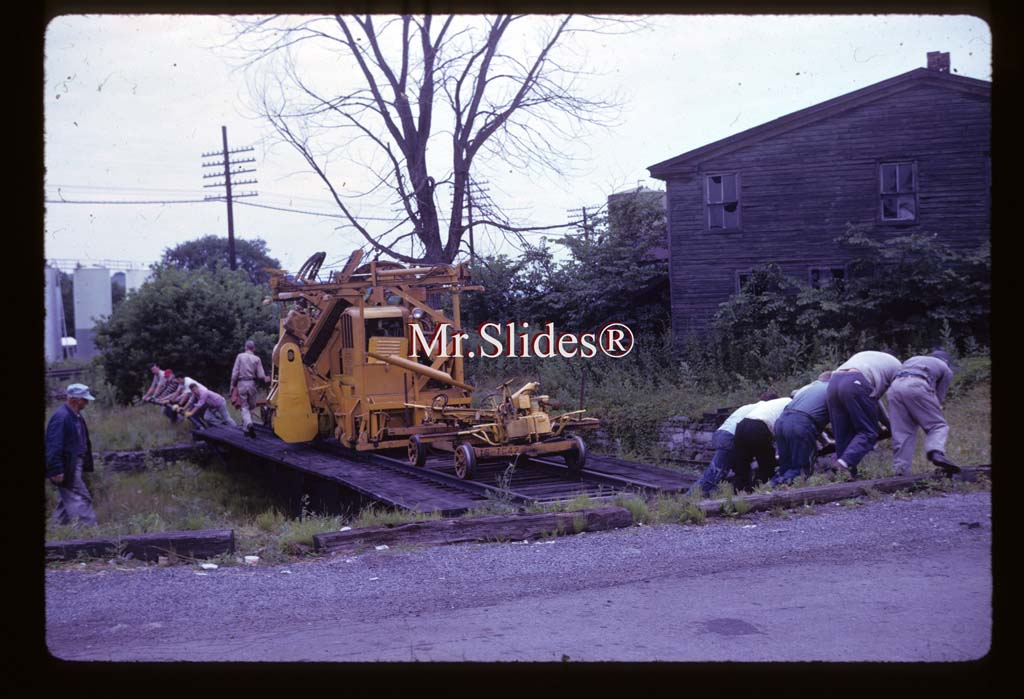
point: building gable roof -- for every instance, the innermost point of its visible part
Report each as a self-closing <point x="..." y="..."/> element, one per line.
<point x="817" y="112"/>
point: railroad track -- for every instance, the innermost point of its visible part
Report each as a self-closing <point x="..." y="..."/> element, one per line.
<point x="389" y="477"/>
<point x="526" y="480"/>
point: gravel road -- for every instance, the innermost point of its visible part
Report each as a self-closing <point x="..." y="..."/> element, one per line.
<point x="888" y="580"/>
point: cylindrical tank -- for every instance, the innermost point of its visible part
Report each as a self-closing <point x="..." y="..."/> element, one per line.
<point x="134" y="278"/>
<point x="54" y="321"/>
<point x="92" y="301"/>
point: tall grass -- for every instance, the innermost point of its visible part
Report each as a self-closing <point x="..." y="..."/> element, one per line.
<point x="185" y="496"/>
<point x="631" y="397"/>
<point x="115" y="427"/>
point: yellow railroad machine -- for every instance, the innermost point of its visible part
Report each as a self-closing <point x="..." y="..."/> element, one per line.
<point x="343" y="368"/>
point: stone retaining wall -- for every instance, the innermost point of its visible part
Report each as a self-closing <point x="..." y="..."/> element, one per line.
<point x="687" y="441"/>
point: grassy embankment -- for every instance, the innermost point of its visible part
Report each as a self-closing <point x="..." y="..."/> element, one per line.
<point x="188" y="495"/>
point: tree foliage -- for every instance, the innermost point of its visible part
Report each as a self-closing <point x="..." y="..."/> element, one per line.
<point x="418" y="106"/>
<point x="611" y="274"/>
<point x="906" y="293"/>
<point x="191" y="321"/>
<point x="614" y="273"/>
<point x="211" y="252"/>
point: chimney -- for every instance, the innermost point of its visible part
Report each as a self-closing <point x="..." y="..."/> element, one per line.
<point x="938" y="60"/>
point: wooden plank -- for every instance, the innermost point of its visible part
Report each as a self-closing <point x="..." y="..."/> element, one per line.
<point x="71" y="548"/>
<point x="373" y="481"/>
<point x="148" y="547"/>
<point x="829" y="493"/>
<point x="516" y="527"/>
<point x="194" y="544"/>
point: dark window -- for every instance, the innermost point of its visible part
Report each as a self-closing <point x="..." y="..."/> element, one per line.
<point x="898" y="187"/>
<point x="723" y="201"/>
<point x="824" y="276"/>
<point x="742" y="278"/>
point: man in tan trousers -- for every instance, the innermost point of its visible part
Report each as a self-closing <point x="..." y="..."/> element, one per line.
<point x="915" y="401"/>
<point x="248" y="368"/>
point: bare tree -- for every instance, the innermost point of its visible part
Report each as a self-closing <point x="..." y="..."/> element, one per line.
<point x="420" y="103"/>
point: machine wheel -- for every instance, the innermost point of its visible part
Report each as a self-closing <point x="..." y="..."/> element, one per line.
<point x="465" y="461"/>
<point x="417" y="451"/>
<point x="576" y="457"/>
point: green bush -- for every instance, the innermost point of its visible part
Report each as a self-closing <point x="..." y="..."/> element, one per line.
<point x="194" y="322"/>
<point x="907" y="294"/>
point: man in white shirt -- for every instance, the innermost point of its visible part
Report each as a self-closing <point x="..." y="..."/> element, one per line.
<point x="722" y="440"/>
<point x="755" y="440"/>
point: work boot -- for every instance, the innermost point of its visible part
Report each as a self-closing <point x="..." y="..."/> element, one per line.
<point x="250" y="430"/>
<point x="943" y="462"/>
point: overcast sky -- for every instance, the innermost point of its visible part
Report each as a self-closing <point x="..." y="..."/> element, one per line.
<point x="132" y="102"/>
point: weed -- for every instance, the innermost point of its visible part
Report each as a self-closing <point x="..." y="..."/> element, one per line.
<point x="871" y="492"/>
<point x="579" y="523"/>
<point x="377" y="516"/>
<point x="779" y="512"/>
<point x="636" y="506"/>
<point x="581" y="502"/>
<point x="269" y="520"/>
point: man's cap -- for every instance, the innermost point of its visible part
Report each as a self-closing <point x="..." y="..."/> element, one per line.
<point x="79" y="390"/>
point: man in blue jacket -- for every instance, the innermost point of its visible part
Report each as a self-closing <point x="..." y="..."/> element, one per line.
<point x="68" y="454"/>
<point x="798" y="429"/>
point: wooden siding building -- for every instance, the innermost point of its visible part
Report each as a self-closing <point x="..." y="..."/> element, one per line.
<point x="910" y="154"/>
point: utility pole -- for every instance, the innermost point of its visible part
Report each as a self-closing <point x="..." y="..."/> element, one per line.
<point x="228" y="164"/>
<point x="469" y="205"/>
<point x="474" y="190"/>
<point x="477" y="188"/>
<point x="586" y="222"/>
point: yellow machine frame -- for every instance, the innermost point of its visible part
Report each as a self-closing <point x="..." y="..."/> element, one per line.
<point x="342" y="367"/>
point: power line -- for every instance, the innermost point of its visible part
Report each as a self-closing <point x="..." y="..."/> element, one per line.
<point x="317" y="213"/>
<point x="153" y="201"/>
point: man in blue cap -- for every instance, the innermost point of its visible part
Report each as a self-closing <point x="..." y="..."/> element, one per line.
<point x="68" y="454"/>
<point x="915" y="400"/>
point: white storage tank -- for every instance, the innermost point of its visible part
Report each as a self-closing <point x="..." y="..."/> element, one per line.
<point x="134" y="278"/>
<point x="92" y="301"/>
<point x="54" y="321"/>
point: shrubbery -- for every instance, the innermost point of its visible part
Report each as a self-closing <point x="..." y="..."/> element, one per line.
<point x="907" y="294"/>
<point x="191" y="321"/>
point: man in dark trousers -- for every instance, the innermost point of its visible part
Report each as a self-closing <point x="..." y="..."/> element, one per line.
<point x="755" y="440"/>
<point x="68" y="454"/>
<point x="854" y="404"/>
<point x="798" y="429"/>
<point x="723" y="440"/>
